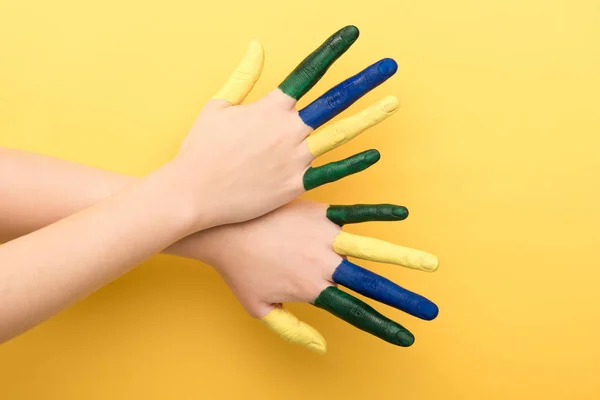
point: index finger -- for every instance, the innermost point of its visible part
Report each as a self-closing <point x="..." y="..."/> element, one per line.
<point x="313" y="67"/>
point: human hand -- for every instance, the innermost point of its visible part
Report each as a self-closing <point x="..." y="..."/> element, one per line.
<point x="254" y="158"/>
<point x="297" y="254"/>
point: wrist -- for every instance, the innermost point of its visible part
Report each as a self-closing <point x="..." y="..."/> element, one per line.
<point x="191" y="210"/>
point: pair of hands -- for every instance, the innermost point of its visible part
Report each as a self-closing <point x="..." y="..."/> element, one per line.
<point x="259" y="156"/>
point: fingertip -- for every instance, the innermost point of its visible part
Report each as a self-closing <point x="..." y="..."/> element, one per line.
<point x="427" y="310"/>
<point x="404" y="338"/>
<point x="429" y="263"/>
<point x="245" y="75"/>
<point x="349" y="33"/>
<point x="318" y="347"/>
<point x="387" y="67"/>
<point x="400" y="212"/>
<point x="255" y="54"/>
<point x="255" y="47"/>
<point x="390" y="104"/>
<point x="372" y="156"/>
<point x="292" y="330"/>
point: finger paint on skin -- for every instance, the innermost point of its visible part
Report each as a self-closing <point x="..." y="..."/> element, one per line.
<point x="292" y="330"/>
<point x="357" y="213"/>
<point x="383" y="290"/>
<point x="363" y="316"/>
<point x="342" y="96"/>
<point x="337" y="170"/>
<point x="343" y="131"/>
<point x="313" y="67"/>
<point x="245" y="75"/>
<point x="367" y="248"/>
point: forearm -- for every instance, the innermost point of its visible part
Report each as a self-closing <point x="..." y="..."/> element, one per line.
<point x="38" y="190"/>
<point x="55" y="266"/>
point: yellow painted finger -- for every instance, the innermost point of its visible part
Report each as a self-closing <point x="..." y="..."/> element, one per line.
<point x="291" y="329"/>
<point x="367" y="248"/>
<point x="338" y="133"/>
<point x="242" y="80"/>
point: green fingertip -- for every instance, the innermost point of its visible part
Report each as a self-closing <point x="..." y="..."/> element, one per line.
<point x="400" y="212"/>
<point x="313" y="67"/>
<point x="357" y="213"/>
<point x="363" y="316"/>
<point x="371" y="156"/>
<point x="337" y="170"/>
<point x="405" y="338"/>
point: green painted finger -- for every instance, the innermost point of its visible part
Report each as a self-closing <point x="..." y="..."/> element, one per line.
<point x="356" y="213"/>
<point x="337" y="170"/>
<point x="363" y="316"/>
<point x="313" y="67"/>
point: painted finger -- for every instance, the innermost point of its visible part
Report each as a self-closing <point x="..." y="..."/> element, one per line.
<point x="313" y="67"/>
<point x="363" y="316"/>
<point x="243" y="78"/>
<point x="383" y="290"/>
<point x="367" y="248"/>
<point x="338" y="133"/>
<point x="342" y="96"/>
<point x="292" y="330"/>
<point x="357" y="213"/>
<point x="317" y="176"/>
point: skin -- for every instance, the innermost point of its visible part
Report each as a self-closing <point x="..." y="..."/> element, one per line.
<point x="58" y="273"/>
<point x="248" y="255"/>
<point x="324" y="108"/>
<point x="297" y="275"/>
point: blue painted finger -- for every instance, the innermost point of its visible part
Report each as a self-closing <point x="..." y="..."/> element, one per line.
<point x="342" y="96"/>
<point x="383" y="290"/>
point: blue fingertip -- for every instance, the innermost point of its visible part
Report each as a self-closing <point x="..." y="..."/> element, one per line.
<point x="343" y="95"/>
<point x="387" y="67"/>
<point x="427" y="310"/>
<point x="383" y="290"/>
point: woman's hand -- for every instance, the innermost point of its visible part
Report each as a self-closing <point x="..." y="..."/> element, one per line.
<point x="242" y="161"/>
<point x="297" y="254"/>
<point x="237" y="162"/>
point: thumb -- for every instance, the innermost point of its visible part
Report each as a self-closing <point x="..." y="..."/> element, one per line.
<point x="242" y="80"/>
<point x="292" y="330"/>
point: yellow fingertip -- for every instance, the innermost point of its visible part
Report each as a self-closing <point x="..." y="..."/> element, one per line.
<point x="430" y="263"/>
<point x="338" y="133"/>
<point x="320" y="348"/>
<point x="372" y="249"/>
<point x="291" y="329"/>
<point x="243" y="78"/>
<point x="390" y="104"/>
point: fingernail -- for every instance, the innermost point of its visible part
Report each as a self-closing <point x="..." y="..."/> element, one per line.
<point x="387" y="67"/>
<point x="400" y="212"/>
<point x="427" y="310"/>
<point x="349" y="33"/>
<point x="429" y="263"/>
<point x="320" y="348"/>
<point x="389" y="104"/>
<point x="372" y="156"/>
<point x="405" y="338"/>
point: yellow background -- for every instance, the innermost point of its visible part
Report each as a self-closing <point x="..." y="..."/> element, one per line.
<point x="494" y="151"/>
